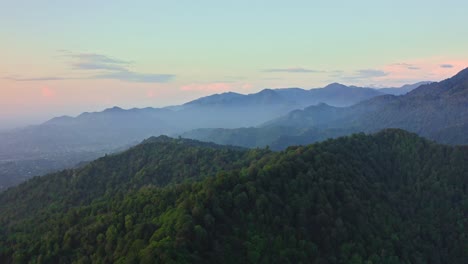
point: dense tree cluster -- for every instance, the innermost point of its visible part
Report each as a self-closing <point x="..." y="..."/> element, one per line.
<point x="391" y="197"/>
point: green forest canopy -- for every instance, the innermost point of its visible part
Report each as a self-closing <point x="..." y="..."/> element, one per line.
<point x="391" y="197"/>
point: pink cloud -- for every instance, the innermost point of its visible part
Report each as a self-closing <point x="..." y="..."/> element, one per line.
<point x="428" y="69"/>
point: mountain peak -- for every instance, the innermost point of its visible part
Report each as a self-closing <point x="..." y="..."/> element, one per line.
<point x="113" y="109"/>
<point x="335" y="86"/>
<point x="267" y="91"/>
<point x="269" y="96"/>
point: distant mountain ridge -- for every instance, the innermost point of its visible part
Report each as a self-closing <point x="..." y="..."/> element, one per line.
<point x="65" y="141"/>
<point x="403" y="89"/>
<point x="431" y="110"/>
<point x="334" y="94"/>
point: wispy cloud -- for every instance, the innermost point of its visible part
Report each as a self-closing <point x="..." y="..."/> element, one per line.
<point x="92" y="61"/>
<point x="97" y="66"/>
<point x="46" y="78"/>
<point x="360" y="75"/>
<point x="370" y="73"/>
<point x="398" y="74"/>
<point x="97" y="58"/>
<point x="129" y="76"/>
<point x="447" y="66"/>
<point x="291" y="70"/>
<point x="100" y="66"/>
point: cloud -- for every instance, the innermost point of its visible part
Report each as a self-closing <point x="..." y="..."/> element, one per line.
<point x="291" y="70"/>
<point x="101" y="66"/>
<point x="397" y="74"/>
<point x="96" y="58"/>
<point x="92" y="61"/>
<point x="360" y="75"/>
<point x="430" y="69"/>
<point x="114" y="69"/>
<point x="97" y="66"/>
<point x="126" y="76"/>
<point x="47" y="78"/>
<point x="447" y="66"/>
<point x="129" y="76"/>
<point x="370" y="73"/>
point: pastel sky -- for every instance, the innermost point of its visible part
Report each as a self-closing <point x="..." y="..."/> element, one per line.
<point x="67" y="57"/>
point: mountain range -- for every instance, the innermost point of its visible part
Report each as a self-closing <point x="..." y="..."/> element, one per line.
<point x="438" y="111"/>
<point x="65" y="141"/>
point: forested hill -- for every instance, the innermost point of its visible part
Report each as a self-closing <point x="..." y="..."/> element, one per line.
<point x="158" y="161"/>
<point x="391" y="197"/>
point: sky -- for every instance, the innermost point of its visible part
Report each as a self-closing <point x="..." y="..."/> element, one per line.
<point x="67" y="57"/>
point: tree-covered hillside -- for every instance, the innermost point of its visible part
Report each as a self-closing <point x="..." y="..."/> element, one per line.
<point x="391" y="197"/>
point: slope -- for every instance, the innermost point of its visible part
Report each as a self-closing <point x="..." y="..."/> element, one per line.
<point x="387" y="198"/>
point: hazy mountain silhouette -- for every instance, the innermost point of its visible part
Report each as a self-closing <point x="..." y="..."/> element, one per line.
<point x="65" y="141"/>
<point x="403" y="89"/>
<point x="438" y="111"/>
